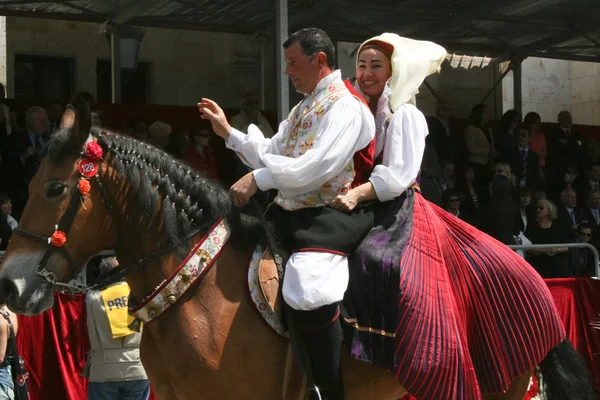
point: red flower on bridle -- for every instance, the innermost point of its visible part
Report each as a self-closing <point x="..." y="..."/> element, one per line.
<point x="84" y="187"/>
<point x="94" y="151"/>
<point x="59" y="238"/>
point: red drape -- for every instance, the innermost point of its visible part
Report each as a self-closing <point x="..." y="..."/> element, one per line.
<point x="54" y="344"/>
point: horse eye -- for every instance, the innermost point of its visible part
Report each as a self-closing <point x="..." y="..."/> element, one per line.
<point x="55" y="189"/>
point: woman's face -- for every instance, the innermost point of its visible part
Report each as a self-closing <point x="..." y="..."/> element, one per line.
<point x="7" y="208"/>
<point x="542" y="211"/>
<point x="499" y="170"/>
<point x="525" y="200"/>
<point x="485" y="116"/>
<point x="372" y="72"/>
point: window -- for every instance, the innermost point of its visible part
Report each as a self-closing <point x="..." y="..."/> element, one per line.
<point x="134" y="84"/>
<point x="40" y="78"/>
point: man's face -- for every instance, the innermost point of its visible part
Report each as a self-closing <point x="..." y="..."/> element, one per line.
<point x="250" y="105"/>
<point x="54" y="112"/>
<point x="454" y="202"/>
<point x="584" y="235"/>
<point x="593" y="200"/>
<point x="443" y="111"/>
<point x="523" y="138"/>
<point x="448" y="172"/>
<point x="565" y="120"/>
<point x="303" y="71"/>
<point x="594" y="173"/>
<point x="569" y="198"/>
<point x="39" y="124"/>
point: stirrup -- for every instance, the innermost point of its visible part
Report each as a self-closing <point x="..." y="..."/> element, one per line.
<point x="314" y="389"/>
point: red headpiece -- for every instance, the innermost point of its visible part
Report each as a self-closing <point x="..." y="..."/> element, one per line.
<point x="386" y="48"/>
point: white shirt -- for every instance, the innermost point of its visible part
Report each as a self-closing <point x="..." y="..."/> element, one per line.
<point x="347" y="128"/>
<point x="403" y="147"/>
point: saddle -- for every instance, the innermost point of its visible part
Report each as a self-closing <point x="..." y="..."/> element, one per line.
<point x="265" y="274"/>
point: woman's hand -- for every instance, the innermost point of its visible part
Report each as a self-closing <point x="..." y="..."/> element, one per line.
<point x="345" y="202"/>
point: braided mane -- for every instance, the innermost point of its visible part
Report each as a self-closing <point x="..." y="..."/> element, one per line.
<point x="189" y="201"/>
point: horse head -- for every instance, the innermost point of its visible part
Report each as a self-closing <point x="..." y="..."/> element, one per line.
<point x="50" y="194"/>
<point x="96" y="190"/>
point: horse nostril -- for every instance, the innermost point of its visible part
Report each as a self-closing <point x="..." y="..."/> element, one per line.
<point x="8" y="291"/>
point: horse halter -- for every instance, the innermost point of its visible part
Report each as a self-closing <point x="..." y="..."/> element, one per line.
<point x="88" y="168"/>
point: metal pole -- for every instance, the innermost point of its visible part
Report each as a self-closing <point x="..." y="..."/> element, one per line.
<point x="517" y="83"/>
<point x="496" y="84"/>
<point x="568" y="245"/>
<point x="428" y="86"/>
<point x="283" y="94"/>
<point x="263" y="72"/>
<point x="115" y="64"/>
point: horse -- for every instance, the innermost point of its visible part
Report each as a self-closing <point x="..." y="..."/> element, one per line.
<point x="152" y="210"/>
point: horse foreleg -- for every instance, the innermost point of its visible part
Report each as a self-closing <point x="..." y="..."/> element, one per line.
<point x="516" y="391"/>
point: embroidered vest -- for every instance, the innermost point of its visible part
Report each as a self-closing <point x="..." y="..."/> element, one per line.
<point x="300" y="135"/>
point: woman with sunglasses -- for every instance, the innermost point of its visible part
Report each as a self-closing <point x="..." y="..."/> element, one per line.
<point x="549" y="263"/>
<point x="420" y="280"/>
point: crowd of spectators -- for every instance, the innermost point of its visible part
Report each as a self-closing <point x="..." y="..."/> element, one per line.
<point x="519" y="184"/>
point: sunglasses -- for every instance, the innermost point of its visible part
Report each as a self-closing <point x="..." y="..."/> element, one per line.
<point x="540" y="208"/>
<point x="453" y="200"/>
<point x="500" y="171"/>
<point x="584" y="234"/>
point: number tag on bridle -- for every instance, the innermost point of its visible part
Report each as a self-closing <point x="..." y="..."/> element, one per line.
<point x="88" y="168"/>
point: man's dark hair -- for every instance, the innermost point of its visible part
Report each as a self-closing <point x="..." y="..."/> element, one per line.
<point x="586" y="225"/>
<point x="447" y="194"/>
<point x="591" y="164"/>
<point x="313" y="41"/>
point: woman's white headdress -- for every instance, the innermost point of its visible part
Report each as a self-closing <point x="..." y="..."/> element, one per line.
<point x="412" y="61"/>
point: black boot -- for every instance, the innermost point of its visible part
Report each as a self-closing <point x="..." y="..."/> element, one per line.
<point x="321" y="334"/>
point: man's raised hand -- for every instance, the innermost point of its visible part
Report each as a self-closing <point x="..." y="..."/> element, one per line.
<point x="211" y="111"/>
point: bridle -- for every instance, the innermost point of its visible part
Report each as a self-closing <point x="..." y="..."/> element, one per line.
<point x="64" y="225"/>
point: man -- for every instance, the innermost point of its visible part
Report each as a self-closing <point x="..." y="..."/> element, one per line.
<point x="310" y="161"/>
<point x="591" y="214"/>
<point x="582" y="259"/>
<point x="434" y="187"/>
<point x="250" y="114"/>
<point x="113" y="366"/>
<point x="524" y="163"/>
<point x="54" y="110"/>
<point x="588" y="181"/>
<point x="21" y="157"/>
<point x="568" y="214"/>
<point x="566" y="142"/>
<point x="440" y="135"/>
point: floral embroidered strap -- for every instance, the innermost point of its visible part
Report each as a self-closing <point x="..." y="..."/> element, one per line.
<point x="196" y="264"/>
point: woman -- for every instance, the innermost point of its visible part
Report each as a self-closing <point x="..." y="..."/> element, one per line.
<point x="415" y="297"/>
<point x="480" y="145"/>
<point x="550" y="263"/>
<point x="537" y="143"/>
<point x="505" y="140"/>
<point x="525" y="206"/>
<point x="7" y="222"/>
<point x="470" y="201"/>
<point x="502" y="168"/>
<point x="200" y="155"/>
<point x="6" y="381"/>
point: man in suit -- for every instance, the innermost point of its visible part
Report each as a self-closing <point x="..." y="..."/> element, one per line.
<point x="582" y="259"/>
<point x="441" y="136"/>
<point x="569" y="216"/>
<point x="21" y="158"/>
<point x="584" y="183"/>
<point x="524" y="163"/>
<point x="566" y="144"/>
<point x="591" y="213"/>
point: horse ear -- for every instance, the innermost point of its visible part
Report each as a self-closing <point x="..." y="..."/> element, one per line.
<point x="68" y="118"/>
<point x="83" y="124"/>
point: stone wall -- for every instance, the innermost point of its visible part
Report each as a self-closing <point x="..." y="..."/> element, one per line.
<point x="550" y="86"/>
<point x="185" y="65"/>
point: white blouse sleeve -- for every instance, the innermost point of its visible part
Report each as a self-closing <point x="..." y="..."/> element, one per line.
<point x="345" y="129"/>
<point x="402" y="153"/>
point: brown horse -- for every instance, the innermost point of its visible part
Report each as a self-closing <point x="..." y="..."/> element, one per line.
<point x="210" y="344"/>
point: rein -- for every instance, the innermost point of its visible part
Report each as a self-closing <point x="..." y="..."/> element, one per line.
<point x="63" y="227"/>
